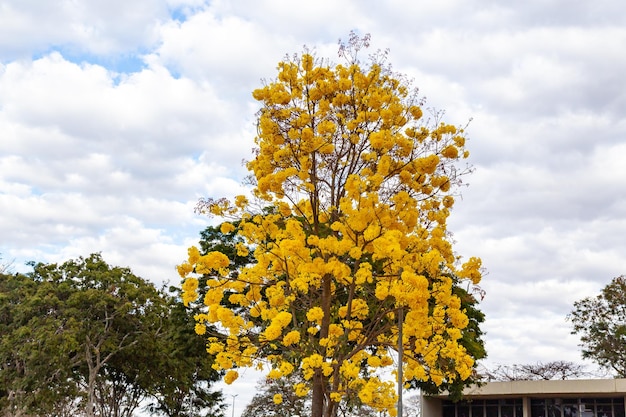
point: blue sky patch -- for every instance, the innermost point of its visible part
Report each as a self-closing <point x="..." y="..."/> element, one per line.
<point x="128" y="62"/>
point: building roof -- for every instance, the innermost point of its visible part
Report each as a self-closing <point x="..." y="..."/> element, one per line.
<point x="587" y="387"/>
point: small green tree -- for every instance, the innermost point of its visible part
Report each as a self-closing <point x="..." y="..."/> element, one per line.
<point x="263" y="403"/>
<point x="600" y="322"/>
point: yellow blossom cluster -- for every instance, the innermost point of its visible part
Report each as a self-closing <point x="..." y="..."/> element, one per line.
<point x="359" y="187"/>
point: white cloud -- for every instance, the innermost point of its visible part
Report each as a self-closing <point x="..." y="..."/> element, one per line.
<point x="86" y="150"/>
<point x="81" y="26"/>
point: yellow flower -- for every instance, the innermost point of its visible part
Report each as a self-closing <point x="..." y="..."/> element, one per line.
<point x="194" y="254"/>
<point x="215" y="348"/>
<point x="226" y="228"/>
<point x="315" y="314"/>
<point x="184" y="269"/>
<point x="374" y="361"/>
<point x="231" y="376"/>
<point x="190" y="287"/>
<point x="242" y="250"/>
<point x="275" y="374"/>
<point x="284" y="209"/>
<point x="291" y="338"/>
<point x="448" y="201"/>
<point x="200" y="329"/>
<point x="336" y="396"/>
<point x="450" y="151"/>
<point x="241" y="201"/>
<point x="272" y="332"/>
<point x="286" y="368"/>
<point x="278" y="398"/>
<point x="301" y="389"/>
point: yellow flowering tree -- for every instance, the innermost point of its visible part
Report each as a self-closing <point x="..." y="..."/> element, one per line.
<point x="358" y="186"/>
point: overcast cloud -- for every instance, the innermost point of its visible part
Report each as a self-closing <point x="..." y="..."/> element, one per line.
<point x="115" y="117"/>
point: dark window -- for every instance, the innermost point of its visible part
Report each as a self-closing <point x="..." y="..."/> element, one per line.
<point x="449" y="409"/>
<point x="462" y="410"/>
<point x="491" y="410"/>
<point x="604" y="410"/>
<point x="537" y="408"/>
<point x="570" y="407"/>
<point x="577" y="407"/>
<point x="618" y="407"/>
<point x="553" y="408"/>
<point x="507" y="411"/>
<point x="485" y="408"/>
<point x="478" y="409"/>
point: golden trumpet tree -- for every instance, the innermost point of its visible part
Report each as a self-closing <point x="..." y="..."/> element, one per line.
<point x="359" y="187"/>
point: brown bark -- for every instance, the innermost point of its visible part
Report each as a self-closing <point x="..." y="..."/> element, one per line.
<point x="319" y="405"/>
<point x="317" y="400"/>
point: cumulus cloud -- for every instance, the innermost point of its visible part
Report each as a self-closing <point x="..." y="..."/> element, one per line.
<point x="29" y="26"/>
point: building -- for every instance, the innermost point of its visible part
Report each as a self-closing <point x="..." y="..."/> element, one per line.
<point x="554" y="398"/>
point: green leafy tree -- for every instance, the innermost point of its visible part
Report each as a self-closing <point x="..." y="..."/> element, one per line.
<point x="184" y="375"/>
<point x="36" y="371"/>
<point x="85" y="338"/>
<point x="600" y="322"/>
<point x="113" y="313"/>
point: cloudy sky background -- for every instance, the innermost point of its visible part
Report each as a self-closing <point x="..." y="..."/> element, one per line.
<point x="116" y="116"/>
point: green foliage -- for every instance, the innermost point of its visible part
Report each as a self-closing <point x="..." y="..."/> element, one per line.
<point x="212" y="239"/>
<point x="85" y="338"/>
<point x="183" y="375"/>
<point x="601" y="323"/>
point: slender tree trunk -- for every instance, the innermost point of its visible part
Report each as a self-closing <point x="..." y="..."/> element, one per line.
<point x="319" y="402"/>
<point x="91" y="379"/>
<point x="317" y="397"/>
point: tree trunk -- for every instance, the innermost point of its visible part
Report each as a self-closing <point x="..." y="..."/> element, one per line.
<point x="91" y="380"/>
<point x="319" y="402"/>
<point x="317" y="397"/>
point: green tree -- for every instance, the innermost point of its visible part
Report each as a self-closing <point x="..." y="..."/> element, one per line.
<point x="36" y="373"/>
<point x="93" y="339"/>
<point x="184" y="374"/>
<point x="291" y="405"/>
<point x="359" y="186"/>
<point x="600" y="322"/>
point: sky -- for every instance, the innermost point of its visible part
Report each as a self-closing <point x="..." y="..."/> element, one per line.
<point x="117" y="116"/>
